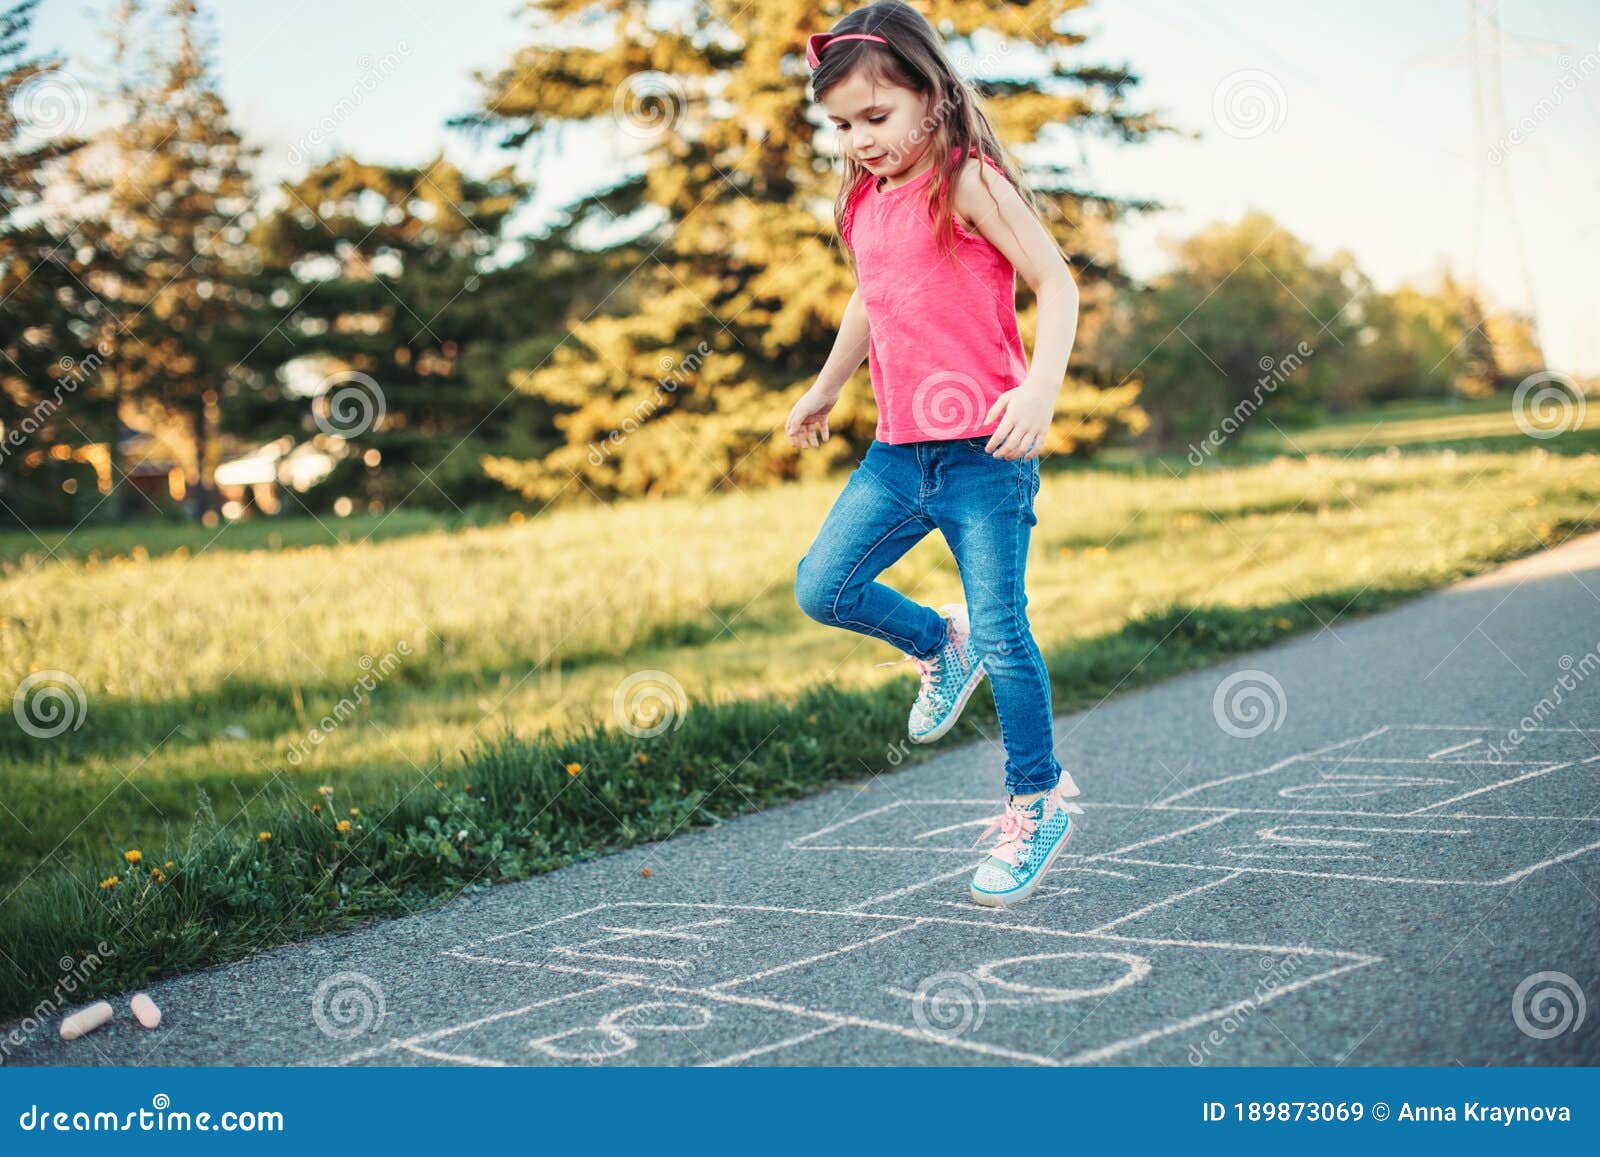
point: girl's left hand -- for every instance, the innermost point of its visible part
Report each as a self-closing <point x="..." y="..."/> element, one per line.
<point x="1025" y="423"/>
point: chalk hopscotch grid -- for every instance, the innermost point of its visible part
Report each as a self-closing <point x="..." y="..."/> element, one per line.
<point x="627" y="973"/>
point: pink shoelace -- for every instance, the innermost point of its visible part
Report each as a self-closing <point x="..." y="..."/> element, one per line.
<point x="1015" y="826"/>
<point x="928" y="668"/>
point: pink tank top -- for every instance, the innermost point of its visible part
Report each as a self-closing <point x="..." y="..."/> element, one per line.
<point x="944" y="327"/>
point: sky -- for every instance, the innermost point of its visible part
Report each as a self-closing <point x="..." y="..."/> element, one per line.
<point x="1351" y="124"/>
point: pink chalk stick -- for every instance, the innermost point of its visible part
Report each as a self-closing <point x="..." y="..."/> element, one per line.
<point x="85" y="1020"/>
<point x="145" y="1011"/>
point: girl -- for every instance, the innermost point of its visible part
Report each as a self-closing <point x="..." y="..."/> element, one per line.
<point x="936" y="225"/>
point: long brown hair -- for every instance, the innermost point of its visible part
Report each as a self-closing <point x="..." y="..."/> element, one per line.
<point x="914" y="58"/>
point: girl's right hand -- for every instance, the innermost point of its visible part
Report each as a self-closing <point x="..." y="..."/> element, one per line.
<point x="809" y="418"/>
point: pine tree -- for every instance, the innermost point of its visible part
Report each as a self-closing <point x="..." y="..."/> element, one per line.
<point x="50" y="388"/>
<point x="168" y="197"/>
<point x="377" y="283"/>
<point x="682" y="382"/>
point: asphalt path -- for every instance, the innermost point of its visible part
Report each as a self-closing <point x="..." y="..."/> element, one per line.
<point x="1377" y="845"/>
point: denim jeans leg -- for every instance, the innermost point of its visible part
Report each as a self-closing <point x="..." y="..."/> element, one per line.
<point x="985" y="511"/>
<point x="875" y="520"/>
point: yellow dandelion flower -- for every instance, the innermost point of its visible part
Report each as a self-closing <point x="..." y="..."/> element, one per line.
<point x="111" y="881"/>
<point x="157" y="875"/>
<point x="344" y="825"/>
<point x="315" y="808"/>
<point x="574" y="768"/>
<point x="324" y="790"/>
<point x="170" y="864"/>
<point x="132" y="856"/>
<point x="355" y="811"/>
<point x="644" y="871"/>
<point x="263" y="837"/>
<point x="644" y="757"/>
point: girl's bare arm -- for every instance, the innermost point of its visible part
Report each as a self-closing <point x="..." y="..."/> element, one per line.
<point x="849" y="348"/>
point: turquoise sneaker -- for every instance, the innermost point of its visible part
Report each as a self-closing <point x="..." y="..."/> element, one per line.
<point x="1031" y="836"/>
<point x="948" y="679"/>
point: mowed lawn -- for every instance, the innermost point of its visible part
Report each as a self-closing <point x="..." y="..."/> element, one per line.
<point x="204" y="661"/>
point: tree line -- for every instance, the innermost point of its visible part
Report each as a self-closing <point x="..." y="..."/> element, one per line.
<point x="157" y="297"/>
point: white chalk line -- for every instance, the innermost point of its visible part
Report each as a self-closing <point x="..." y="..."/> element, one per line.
<point x="776" y="1046"/>
<point x="1491" y="787"/>
<point x="1282" y="763"/>
<point x="1092" y="1055"/>
<point x="1184" y="895"/>
<point x="775" y="969"/>
<point x="440" y="1034"/>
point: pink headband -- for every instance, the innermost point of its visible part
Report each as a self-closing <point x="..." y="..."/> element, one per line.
<point x="817" y="41"/>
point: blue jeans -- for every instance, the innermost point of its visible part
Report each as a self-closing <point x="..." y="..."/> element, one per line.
<point x="983" y="506"/>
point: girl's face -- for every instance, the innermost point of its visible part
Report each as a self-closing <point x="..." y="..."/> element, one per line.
<point x="885" y="128"/>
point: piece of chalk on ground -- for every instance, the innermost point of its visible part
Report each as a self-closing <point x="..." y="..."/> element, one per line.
<point x="85" y="1020"/>
<point x="145" y="1010"/>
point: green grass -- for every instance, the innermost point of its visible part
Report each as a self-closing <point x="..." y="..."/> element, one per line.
<point x="200" y="673"/>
